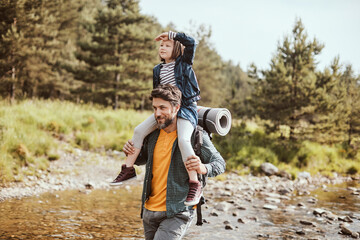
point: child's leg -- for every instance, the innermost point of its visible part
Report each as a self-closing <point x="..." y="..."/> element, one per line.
<point x="184" y="132"/>
<point x="140" y="132"/>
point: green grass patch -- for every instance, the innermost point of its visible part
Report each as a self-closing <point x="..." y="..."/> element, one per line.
<point x="30" y="131"/>
<point x="247" y="146"/>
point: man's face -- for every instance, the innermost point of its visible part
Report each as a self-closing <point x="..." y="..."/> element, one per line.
<point x="164" y="112"/>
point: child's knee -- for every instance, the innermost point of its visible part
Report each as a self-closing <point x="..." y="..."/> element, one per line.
<point x="138" y="132"/>
<point x="183" y="142"/>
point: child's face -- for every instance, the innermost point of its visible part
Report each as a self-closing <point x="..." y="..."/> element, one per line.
<point x="166" y="49"/>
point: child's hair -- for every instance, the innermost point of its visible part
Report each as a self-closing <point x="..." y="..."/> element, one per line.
<point x="177" y="50"/>
<point x="168" y="93"/>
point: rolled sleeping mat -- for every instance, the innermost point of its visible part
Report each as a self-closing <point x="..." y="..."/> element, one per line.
<point x="214" y="120"/>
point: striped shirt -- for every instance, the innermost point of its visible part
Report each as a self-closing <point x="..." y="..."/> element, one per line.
<point x="167" y="74"/>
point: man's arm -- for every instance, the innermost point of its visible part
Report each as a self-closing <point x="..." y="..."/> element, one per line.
<point x="213" y="161"/>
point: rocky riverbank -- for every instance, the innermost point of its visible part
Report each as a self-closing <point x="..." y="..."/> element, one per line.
<point x="249" y="207"/>
<point x="263" y="207"/>
<point x="75" y="169"/>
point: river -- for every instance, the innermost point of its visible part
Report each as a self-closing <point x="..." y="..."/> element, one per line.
<point x="115" y="214"/>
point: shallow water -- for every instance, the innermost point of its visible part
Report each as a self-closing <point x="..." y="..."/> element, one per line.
<point x="115" y="214"/>
<point x="97" y="214"/>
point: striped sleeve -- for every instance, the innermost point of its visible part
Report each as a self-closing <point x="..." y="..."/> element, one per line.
<point x="172" y="35"/>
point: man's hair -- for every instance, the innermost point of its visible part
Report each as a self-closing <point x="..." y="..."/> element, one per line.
<point x="168" y="93"/>
<point x="177" y="50"/>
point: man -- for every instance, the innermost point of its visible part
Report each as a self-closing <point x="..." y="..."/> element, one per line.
<point x="166" y="180"/>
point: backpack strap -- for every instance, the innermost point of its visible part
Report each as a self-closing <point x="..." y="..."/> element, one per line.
<point x="197" y="149"/>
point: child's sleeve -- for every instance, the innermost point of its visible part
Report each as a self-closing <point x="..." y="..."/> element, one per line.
<point x="188" y="42"/>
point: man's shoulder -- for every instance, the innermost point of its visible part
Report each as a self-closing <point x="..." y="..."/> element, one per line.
<point x="153" y="135"/>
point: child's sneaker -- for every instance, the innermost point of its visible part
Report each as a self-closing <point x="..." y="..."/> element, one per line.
<point x="126" y="173"/>
<point x="194" y="194"/>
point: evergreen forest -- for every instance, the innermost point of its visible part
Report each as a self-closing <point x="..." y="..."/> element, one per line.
<point x="102" y="53"/>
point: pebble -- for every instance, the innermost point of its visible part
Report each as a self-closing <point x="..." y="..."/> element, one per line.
<point x="269" y="207"/>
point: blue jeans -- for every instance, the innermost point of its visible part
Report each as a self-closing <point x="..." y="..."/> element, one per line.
<point x="158" y="227"/>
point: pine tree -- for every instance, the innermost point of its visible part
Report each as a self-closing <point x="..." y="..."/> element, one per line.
<point x="286" y="91"/>
<point x="10" y="39"/>
<point x="40" y="43"/>
<point x="208" y="66"/>
<point x="120" y="56"/>
<point x="351" y="106"/>
<point x="237" y="89"/>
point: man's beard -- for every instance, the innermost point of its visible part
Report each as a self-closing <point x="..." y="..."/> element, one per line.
<point x="167" y="122"/>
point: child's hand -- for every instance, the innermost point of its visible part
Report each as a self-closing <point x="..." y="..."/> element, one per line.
<point x="128" y="148"/>
<point x="193" y="163"/>
<point x="164" y="36"/>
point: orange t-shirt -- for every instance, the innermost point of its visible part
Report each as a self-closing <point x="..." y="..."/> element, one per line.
<point x="161" y="164"/>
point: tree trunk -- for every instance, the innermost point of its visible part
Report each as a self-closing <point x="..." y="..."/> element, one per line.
<point x="12" y="87"/>
<point x="116" y="87"/>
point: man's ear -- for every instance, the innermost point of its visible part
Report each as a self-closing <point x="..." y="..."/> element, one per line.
<point x="177" y="108"/>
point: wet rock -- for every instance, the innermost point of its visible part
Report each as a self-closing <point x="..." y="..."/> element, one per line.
<point x="269" y="169"/>
<point x="89" y="186"/>
<point x="318" y="211"/>
<point x="272" y="200"/>
<point x="345" y="219"/>
<point x="241" y="208"/>
<point x="229" y="227"/>
<point x="284" y="191"/>
<point x="312" y="200"/>
<point x="263" y="235"/>
<point x="304" y="175"/>
<point x="307" y="223"/>
<point x="214" y="213"/>
<point x="284" y="174"/>
<point x="223" y="206"/>
<point x="255" y="219"/>
<point x="242" y="220"/>
<point x="302" y="205"/>
<point x="330" y="216"/>
<point x="300" y="232"/>
<point x="346" y="231"/>
<point x="352" y="189"/>
<point x="270" y="207"/>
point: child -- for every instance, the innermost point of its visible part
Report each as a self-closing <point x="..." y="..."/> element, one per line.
<point x="177" y="51"/>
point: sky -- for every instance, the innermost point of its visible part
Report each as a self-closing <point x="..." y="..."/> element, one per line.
<point x="248" y="31"/>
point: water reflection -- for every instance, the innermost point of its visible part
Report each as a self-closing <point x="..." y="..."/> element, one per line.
<point x="115" y="214"/>
<point x="100" y="214"/>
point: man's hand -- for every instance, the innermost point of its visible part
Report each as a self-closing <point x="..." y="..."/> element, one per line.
<point x="194" y="163"/>
<point x="128" y="148"/>
<point x="164" y="36"/>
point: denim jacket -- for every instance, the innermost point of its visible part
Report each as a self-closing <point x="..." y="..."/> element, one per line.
<point x="178" y="179"/>
<point x="185" y="78"/>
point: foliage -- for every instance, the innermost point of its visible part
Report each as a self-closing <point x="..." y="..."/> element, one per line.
<point x="30" y="132"/>
<point x="248" y="145"/>
<point x="119" y="55"/>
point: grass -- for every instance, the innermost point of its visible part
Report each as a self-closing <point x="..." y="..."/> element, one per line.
<point x="31" y="129"/>
<point x="248" y="146"/>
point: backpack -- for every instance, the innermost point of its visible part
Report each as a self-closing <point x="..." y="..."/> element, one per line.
<point x="199" y="131"/>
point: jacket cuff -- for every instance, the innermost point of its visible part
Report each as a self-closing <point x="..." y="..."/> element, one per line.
<point x="172" y="35"/>
<point x="209" y="169"/>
